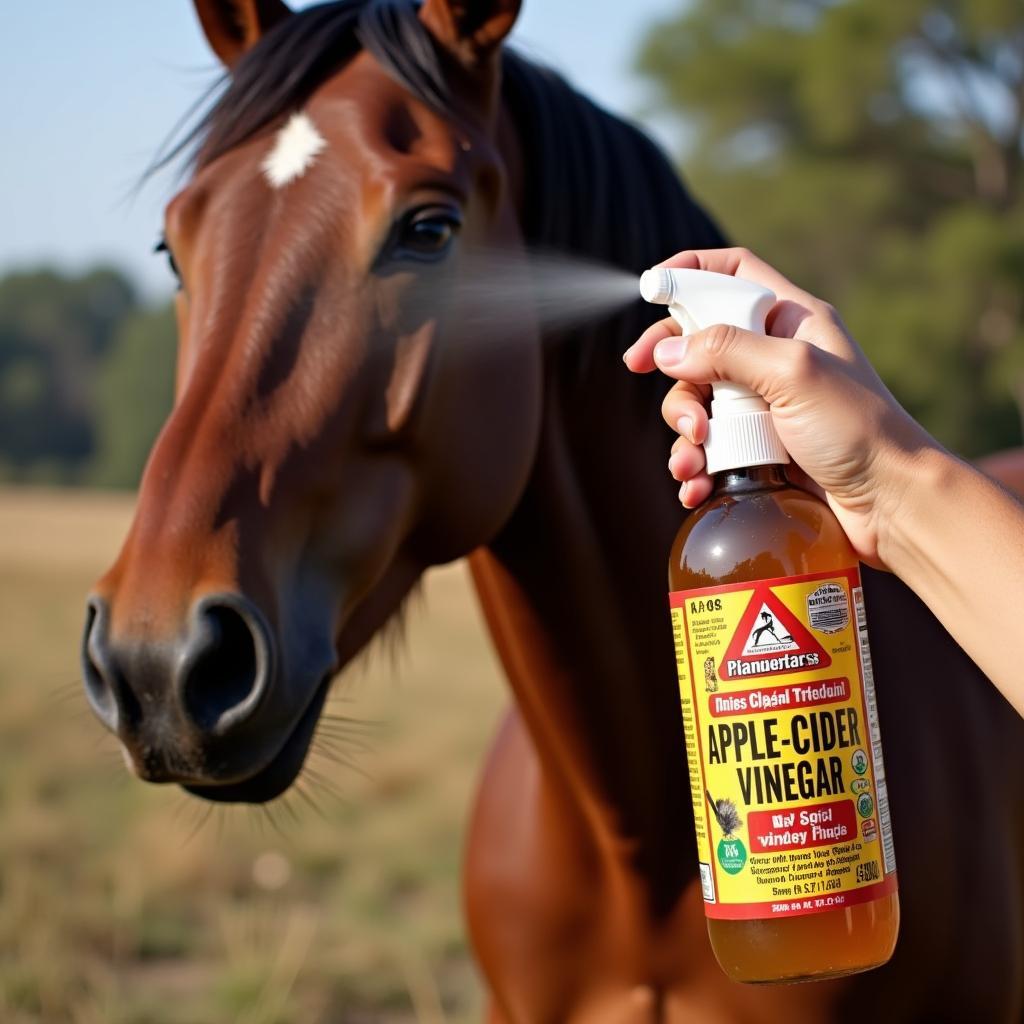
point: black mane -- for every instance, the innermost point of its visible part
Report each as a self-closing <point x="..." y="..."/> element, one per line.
<point x="594" y="185"/>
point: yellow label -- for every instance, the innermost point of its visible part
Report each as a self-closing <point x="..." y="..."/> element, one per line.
<point x="782" y="739"/>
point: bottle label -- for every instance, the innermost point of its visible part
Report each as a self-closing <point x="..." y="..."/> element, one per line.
<point x="782" y="738"/>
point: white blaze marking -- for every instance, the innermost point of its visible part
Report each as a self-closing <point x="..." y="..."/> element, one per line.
<point x="294" y="151"/>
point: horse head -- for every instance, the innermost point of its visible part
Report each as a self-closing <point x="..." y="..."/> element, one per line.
<point x="332" y="434"/>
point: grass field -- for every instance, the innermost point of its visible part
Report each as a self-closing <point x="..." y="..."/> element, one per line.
<point x="122" y="903"/>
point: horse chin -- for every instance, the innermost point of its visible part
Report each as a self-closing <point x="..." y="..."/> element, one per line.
<point x="274" y="778"/>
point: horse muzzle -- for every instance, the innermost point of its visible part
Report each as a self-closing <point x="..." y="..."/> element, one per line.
<point x="206" y="708"/>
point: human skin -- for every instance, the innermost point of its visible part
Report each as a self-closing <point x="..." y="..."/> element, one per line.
<point x="951" y="533"/>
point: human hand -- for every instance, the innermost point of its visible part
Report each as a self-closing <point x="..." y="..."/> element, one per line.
<point x="849" y="438"/>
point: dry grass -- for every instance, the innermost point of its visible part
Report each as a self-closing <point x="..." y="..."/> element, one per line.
<point x="122" y="903"/>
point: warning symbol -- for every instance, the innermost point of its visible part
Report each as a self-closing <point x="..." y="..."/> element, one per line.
<point x="768" y="636"/>
<point x="770" y="639"/>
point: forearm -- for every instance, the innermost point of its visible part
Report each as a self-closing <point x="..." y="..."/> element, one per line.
<point x="957" y="539"/>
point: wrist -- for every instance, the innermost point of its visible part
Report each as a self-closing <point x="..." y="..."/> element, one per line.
<point x="915" y="482"/>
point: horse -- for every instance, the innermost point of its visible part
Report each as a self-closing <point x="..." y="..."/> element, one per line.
<point x="334" y="434"/>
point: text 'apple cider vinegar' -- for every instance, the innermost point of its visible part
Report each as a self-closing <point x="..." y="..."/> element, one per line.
<point x="781" y="725"/>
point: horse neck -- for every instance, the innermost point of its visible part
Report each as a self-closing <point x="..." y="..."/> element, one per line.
<point x="574" y="591"/>
<point x="574" y="585"/>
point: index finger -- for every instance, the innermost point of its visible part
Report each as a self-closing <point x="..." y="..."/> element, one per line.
<point x="639" y="357"/>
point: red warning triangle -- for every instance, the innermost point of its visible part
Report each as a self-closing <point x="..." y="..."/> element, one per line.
<point x="770" y="640"/>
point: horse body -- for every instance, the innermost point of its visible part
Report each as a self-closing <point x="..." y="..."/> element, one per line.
<point x="327" y="446"/>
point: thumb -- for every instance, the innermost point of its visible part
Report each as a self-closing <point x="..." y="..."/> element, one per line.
<point x="775" y="368"/>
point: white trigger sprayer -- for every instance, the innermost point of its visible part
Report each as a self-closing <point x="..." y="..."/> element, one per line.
<point x="740" y="431"/>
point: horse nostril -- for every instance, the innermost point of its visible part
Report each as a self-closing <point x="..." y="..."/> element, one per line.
<point x="226" y="665"/>
<point x="96" y="668"/>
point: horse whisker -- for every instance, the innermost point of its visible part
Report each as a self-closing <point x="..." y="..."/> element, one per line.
<point x="325" y="783"/>
<point x="285" y="802"/>
<point x="352" y="724"/>
<point x="307" y="797"/>
<point x="268" y="815"/>
<point x="202" y="817"/>
<point x="65" y="693"/>
<point x="342" y="743"/>
<point x="341" y="761"/>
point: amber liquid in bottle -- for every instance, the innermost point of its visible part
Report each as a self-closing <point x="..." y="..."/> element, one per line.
<point x="755" y="526"/>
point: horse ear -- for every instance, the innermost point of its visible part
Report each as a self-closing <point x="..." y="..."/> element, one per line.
<point x="471" y="30"/>
<point x="233" y="26"/>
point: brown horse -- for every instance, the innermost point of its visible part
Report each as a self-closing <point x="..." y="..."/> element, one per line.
<point x="334" y="435"/>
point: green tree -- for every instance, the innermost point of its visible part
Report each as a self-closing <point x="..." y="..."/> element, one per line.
<point x="54" y="331"/>
<point x="872" y="149"/>
<point x="134" y="395"/>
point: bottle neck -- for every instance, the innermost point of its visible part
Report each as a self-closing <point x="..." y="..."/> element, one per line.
<point x="744" y="479"/>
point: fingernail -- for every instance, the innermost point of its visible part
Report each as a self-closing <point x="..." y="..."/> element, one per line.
<point x="685" y="427"/>
<point x="682" y="493"/>
<point x="670" y="351"/>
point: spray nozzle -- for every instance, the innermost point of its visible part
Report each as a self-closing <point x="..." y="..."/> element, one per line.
<point x="742" y="433"/>
<point x="657" y="286"/>
<point x="704" y="298"/>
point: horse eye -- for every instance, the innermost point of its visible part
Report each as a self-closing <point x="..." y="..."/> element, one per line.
<point x="162" y="246"/>
<point x="429" y="232"/>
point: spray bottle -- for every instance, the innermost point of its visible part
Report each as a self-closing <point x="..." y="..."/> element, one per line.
<point x="779" y="715"/>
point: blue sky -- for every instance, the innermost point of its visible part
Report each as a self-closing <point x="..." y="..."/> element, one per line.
<point x="90" y="91"/>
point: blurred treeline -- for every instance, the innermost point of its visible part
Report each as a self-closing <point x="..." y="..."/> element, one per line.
<point x="86" y="376"/>
<point x="871" y="149"/>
